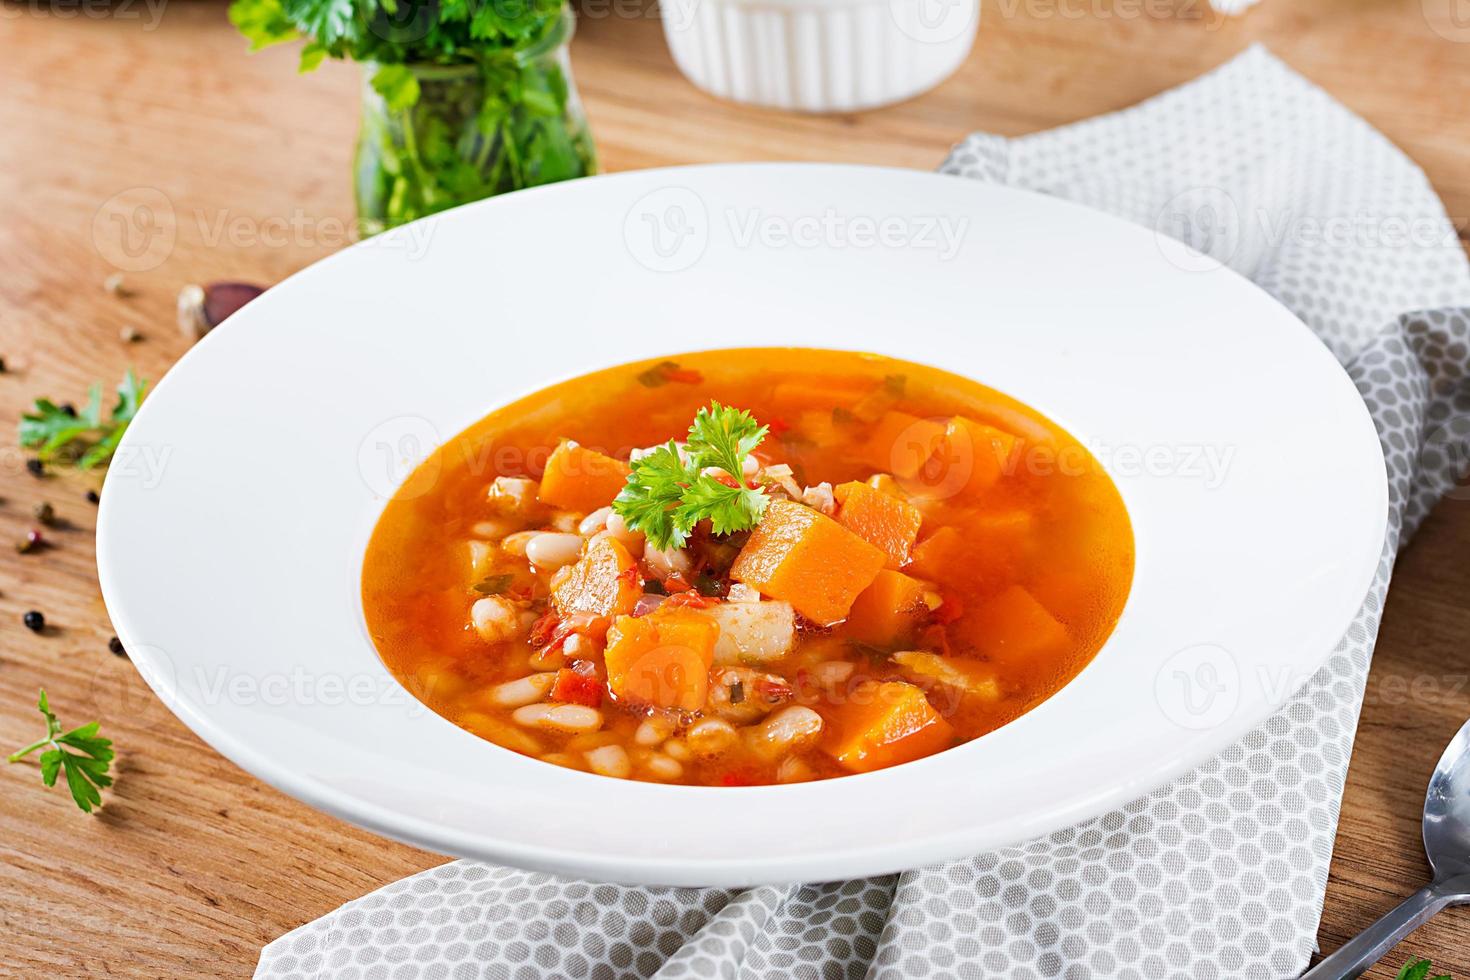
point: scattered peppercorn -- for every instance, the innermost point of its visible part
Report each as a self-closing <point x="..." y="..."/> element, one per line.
<point x="129" y="335"/>
<point x="35" y="467"/>
<point x="2" y="365"/>
<point x="69" y="409"/>
<point x="92" y="497"/>
<point x="35" y="622"/>
<point x="46" y="514"/>
<point x="115" y="645"/>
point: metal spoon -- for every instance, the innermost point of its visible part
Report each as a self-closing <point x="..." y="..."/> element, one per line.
<point x="1447" y="842"/>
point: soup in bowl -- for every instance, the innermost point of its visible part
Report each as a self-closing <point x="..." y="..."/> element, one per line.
<point x="748" y="567"/>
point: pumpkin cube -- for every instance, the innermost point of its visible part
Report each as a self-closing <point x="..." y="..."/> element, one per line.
<point x="581" y="479"/>
<point x="1012" y="626"/>
<point x="803" y="557"/>
<point x="887" y="612"/>
<point x="604" y="581"/>
<point x="880" y="518"/>
<point x="661" y="659"/>
<point x="884" y="724"/>
<point x="902" y="444"/>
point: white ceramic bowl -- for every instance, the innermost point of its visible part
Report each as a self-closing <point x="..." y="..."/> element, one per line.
<point x="234" y="519"/>
<point x="819" y="55"/>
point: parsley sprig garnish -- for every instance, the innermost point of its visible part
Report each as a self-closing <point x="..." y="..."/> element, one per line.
<point x="668" y="492"/>
<point x="83" y="437"/>
<point x="81" y="753"/>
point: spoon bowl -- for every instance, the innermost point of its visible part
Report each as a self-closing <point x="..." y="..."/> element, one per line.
<point x="1447" y="843"/>
<point x="1447" y="811"/>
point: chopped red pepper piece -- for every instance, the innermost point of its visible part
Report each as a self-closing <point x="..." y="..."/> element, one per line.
<point x="683" y="376"/>
<point x="574" y="687"/>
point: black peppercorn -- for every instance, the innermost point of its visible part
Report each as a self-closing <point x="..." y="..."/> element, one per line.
<point x="69" y="409"/>
<point x="35" y="622"/>
<point x="92" y="497"/>
<point x="115" y="645"/>
<point x="46" y="514"/>
<point x="35" y="467"/>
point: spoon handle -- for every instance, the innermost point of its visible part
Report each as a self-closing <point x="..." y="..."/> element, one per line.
<point x="1373" y="943"/>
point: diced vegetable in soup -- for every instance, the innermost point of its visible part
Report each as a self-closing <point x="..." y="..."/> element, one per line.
<point x="746" y="567"/>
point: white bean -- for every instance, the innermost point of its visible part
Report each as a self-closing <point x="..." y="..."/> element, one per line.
<point x="661" y="766"/>
<point x="515" y="544"/>
<point x="793" y="769"/>
<point x="653" y="731"/>
<point x="667" y="562"/>
<point x="524" y="690"/>
<point x="675" y="748"/>
<point x="787" y="729"/>
<point x="830" y="673"/>
<point x="551" y="549"/>
<point x="579" y="646"/>
<point x="496" y="618"/>
<point x="710" y="736"/>
<point x="630" y="539"/>
<point x="566" y="521"/>
<point x="610" y="760"/>
<point x="573" y="718"/>
<point x="495" y="529"/>
<point x="513" y="492"/>
<point x="594" y="522"/>
<point x="480" y="554"/>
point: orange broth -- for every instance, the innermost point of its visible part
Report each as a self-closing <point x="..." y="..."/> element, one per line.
<point x="1023" y="586"/>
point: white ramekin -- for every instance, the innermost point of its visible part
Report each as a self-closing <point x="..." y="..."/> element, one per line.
<point x="819" y="55"/>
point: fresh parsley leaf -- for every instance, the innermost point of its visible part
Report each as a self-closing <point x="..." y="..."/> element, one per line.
<point x="263" y="22"/>
<point x="398" y="86"/>
<point x="1419" y="970"/>
<point x="668" y="494"/>
<point x="650" y="500"/>
<point x="723" y="437"/>
<point x="727" y="508"/>
<point x="83" y="436"/>
<point x="81" y="754"/>
<point x="494" y="584"/>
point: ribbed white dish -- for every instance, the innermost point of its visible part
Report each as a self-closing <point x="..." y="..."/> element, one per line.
<point x="819" y="55"/>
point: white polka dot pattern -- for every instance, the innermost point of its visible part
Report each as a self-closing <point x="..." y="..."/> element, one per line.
<point x="1220" y="875"/>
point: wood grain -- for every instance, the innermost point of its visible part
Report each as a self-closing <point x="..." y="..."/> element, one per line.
<point x="193" y="865"/>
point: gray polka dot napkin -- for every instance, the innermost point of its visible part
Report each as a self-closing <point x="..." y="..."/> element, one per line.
<point x="1220" y="875"/>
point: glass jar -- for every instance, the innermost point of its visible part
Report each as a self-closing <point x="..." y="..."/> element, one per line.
<point x="509" y="120"/>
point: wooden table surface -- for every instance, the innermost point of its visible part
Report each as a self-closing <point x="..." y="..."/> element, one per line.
<point x="193" y="865"/>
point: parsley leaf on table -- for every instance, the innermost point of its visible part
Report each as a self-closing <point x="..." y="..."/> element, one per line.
<point x="667" y="493"/>
<point x="81" y="436"/>
<point x="80" y="753"/>
<point x="1419" y="970"/>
